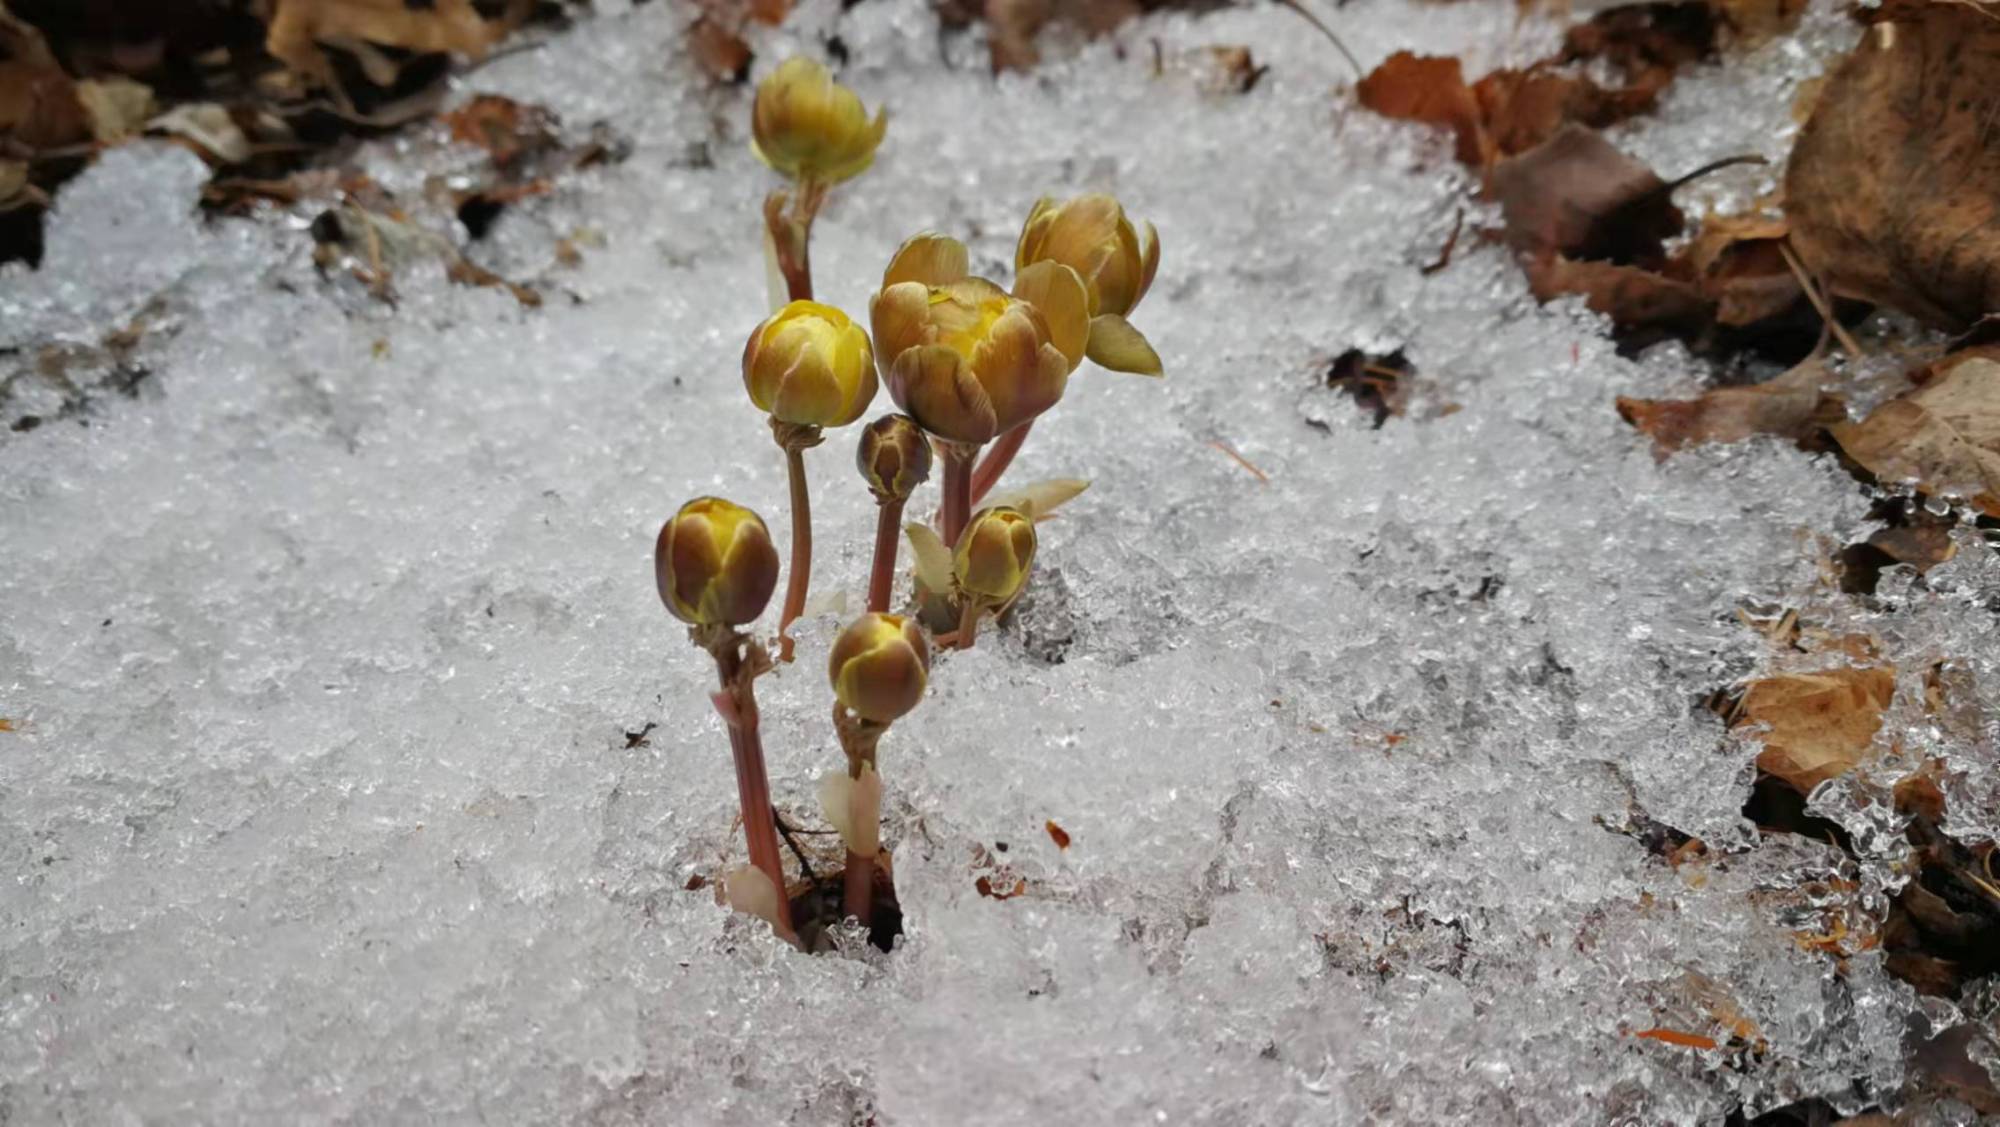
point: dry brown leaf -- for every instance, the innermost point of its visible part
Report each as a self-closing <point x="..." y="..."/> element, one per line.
<point x="1430" y="89"/>
<point x="1633" y="297"/>
<point x="1757" y="21"/>
<point x="1893" y="188"/>
<point x="1944" y="436"/>
<point x="297" y="29"/>
<point x="1791" y="406"/>
<point x="1819" y="725"/>
<point x="1523" y="108"/>
<point x="508" y="130"/>
<point x="1011" y="27"/>
<point x="209" y="128"/>
<point x="720" y="51"/>
<point x="118" y="107"/>
<point x="39" y="107"/>
<point x="1737" y="262"/>
<point x="1576" y="195"/>
<point x="1648" y="42"/>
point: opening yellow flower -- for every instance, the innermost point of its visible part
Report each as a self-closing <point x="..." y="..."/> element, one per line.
<point x="965" y="358"/>
<point x="811" y="128"/>
<point x="810" y="365"/>
<point x="1116" y="260"/>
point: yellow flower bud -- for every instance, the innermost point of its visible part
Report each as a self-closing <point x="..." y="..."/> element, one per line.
<point x="811" y="128"/>
<point x="1091" y="235"/>
<point x="879" y="666"/>
<point x="993" y="556"/>
<point x="894" y="457"/>
<point x="810" y="365"/>
<point x="714" y="564"/>
<point x="963" y="357"/>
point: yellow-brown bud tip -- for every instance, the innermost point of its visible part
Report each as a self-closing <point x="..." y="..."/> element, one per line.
<point x="811" y="128"/>
<point x="714" y="564"/>
<point x="894" y="457"/>
<point x="879" y="666"/>
<point x="810" y="365"/>
<point x="994" y="554"/>
<point x="1091" y="235"/>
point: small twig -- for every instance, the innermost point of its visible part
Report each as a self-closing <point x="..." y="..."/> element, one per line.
<point x="1450" y="243"/>
<point x="1818" y="299"/>
<point x="1295" y="6"/>
<point x="1711" y="166"/>
<point x="1240" y="460"/>
<point x="785" y="831"/>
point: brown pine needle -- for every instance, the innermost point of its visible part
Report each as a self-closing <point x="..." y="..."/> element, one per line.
<point x="1295" y="6"/>
<point x="1262" y="477"/>
<point x="1818" y="300"/>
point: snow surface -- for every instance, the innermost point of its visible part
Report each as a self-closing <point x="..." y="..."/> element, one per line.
<point x="323" y="645"/>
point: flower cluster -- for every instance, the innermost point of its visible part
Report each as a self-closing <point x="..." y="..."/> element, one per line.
<point x="970" y="365"/>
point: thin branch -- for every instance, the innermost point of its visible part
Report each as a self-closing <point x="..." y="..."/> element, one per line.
<point x="1295" y="6"/>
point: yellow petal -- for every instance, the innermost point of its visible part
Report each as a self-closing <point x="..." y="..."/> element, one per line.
<point x="1149" y="253"/>
<point x="932" y="384"/>
<point x="1008" y="364"/>
<point x="854" y="368"/>
<point x="901" y="318"/>
<point x="1057" y="291"/>
<point x="1033" y="233"/>
<point x="807" y="393"/>
<point x="1116" y="345"/>
<point x="930" y="258"/>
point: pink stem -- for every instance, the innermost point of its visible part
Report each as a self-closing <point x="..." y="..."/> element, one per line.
<point x="888" y="534"/>
<point x="957" y="490"/>
<point x="997" y="460"/>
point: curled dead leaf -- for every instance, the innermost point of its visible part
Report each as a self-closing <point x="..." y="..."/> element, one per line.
<point x="298" y="30"/>
<point x="1818" y="726"/>
<point x="1791" y="406"/>
<point x="1738" y="262"/>
<point x="118" y="107"/>
<point x="1635" y="298"/>
<point x="1429" y="89"/>
<point x="39" y="106"/>
<point x="1893" y="188"/>
<point x="1578" y="196"/>
<point x="1944" y="437"/>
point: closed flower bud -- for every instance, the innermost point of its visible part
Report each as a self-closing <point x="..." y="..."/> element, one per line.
<point x="894" y="457"/>
<point x="811" y="128"/>
<point x="966" y="359"/>
<point x="1091" y="235"/>
<point x="993" y="556"/>
<point x="714" y="564"/>
<point x="810" y="365"/>
<point x="879" y="666"/>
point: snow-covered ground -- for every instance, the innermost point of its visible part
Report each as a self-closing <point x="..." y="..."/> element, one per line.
<point x="324" y="646"/>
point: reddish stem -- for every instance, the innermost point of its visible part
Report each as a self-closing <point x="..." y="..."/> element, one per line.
<point x="791" y="235"/>
<point x="968" y="624"/>
<point x="802" y="549"/>
<point x="888" y="534"/>
<point x="957" y="486"/>
<point x="997" y="459"/>
<point x="753" y="786"/>
<point x="858" y="889"/>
